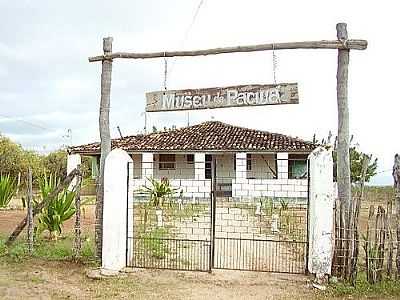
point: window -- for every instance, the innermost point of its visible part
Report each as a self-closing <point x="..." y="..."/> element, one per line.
<point x="297" y="166"/>
<point x="208" y="166"/>
<point x="190" y="159"/>
<point x="166" y="162"/>
<point x="248" y="162"/>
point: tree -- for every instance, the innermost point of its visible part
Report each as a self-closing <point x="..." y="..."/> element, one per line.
<point x="356" y="163"/>
<point x="56" y="163"/>
<point x="15" y="161"/>
<point x="10" y="157"/>
<point x="356" y="159"/>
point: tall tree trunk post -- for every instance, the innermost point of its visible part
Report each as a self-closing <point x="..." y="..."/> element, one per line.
<point x="30" y="212"/>
<point x="343" y="155"/>
<point x="105" y="145"/>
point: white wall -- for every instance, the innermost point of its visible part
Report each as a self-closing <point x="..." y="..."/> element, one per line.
<point x="73" y="161"/>
<point x="225" y="166"/>
<point x="259" y="166"/>
<point x="183" y="170"/>
<point x="190" y="177"/>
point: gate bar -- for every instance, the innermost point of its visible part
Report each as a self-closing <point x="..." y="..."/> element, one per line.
<point x="213" y="210"/>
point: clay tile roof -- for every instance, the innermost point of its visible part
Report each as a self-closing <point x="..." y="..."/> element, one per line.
<point x="207" y="136"/>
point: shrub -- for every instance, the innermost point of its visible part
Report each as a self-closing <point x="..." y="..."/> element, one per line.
<point x="60" y="209"/>
<point x="8" y="188"/>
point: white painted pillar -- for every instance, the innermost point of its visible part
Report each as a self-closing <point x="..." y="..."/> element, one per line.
<point x="73" y="161"/>
<point x="147" y="165"/>
<point x="283" y="165"/>
<point x="115" y="210"/>
<point x="241" y="161"/>
<point x="321" y="202"/>
<point x="240" y="174"/>
<point x="199" y="166"/>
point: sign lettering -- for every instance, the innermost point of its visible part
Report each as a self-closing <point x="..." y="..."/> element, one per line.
<point x="233" y="96"/>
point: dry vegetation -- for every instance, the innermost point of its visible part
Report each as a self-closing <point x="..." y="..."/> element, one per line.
<point x="51" y="274"/>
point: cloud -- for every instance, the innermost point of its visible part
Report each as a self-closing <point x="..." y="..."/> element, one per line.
<point x="45" y="76"/>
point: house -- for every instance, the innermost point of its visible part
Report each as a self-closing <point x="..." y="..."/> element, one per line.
<point x="248" y="162"/>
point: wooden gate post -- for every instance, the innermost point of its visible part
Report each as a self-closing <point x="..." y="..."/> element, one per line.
<point x="105" y="145"/>
<point x="321" y="239"/>
<point x="115" y="222"/>
<point x="343" y="155"/>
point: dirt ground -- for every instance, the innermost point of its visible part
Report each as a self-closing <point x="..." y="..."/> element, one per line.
<point x="37" y="279"/>
<point x="9" y="219"/>
<point x="42" y="279"/>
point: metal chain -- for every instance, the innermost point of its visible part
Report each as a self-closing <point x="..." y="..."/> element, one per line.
<point x="165" y="71"/>
<point x="274" y="63"/>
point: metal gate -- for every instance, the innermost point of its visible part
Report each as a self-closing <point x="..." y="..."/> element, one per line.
<point x="249" y="224"/>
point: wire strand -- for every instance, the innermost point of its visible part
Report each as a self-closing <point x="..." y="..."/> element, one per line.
<point x="17" y="119"/>
<point x="186" y="35"/>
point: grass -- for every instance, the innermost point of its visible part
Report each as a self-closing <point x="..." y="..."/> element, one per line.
<point x="385" y="288"/>
<point x="47" y="249"/>
<point x="153" y="242"/>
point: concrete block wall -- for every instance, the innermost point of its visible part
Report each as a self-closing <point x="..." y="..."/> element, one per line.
<point x="241" y="223"/>
<point x="241" y="172"/>
<point x="199" y="166"/>
<point x="282" y="188"/>
<point x="283" y="165"/>
<point x="198" y="187"/>
<point x="241" y="189"/>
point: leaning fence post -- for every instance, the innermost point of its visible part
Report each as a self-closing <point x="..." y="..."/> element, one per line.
<point x="30" y="212"/>
<point x="78" y="230"/>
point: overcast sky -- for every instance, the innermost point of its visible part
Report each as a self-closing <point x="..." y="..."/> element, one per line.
<point x="47" y="85"/>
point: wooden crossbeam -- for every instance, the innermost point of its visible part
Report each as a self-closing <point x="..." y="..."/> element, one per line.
<point x="333" y="44"/>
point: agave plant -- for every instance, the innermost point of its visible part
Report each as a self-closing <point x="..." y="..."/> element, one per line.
<point x="159" y="191"/>
<point x="56" y="213"/>
<point x="47" y="184"/>
<point x="60" y="209"/>
<point x="8" y="188"/>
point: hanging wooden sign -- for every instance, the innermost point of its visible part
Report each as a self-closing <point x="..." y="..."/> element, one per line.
<point x="220" y="97"/>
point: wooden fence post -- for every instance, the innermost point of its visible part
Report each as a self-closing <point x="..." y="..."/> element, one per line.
<point x="78" y="241"/>
<point x="396" y="178"/>
<point x="355" y="236"/>
<point x="30" y="212"/>
<point x="105" y="145"/>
